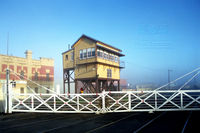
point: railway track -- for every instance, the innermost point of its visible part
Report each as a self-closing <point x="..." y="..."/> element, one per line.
<point x="182" y="122"/>
<point x="173" y="122"/>
<point x="166" y="122"/>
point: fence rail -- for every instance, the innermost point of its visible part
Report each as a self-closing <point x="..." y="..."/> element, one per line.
<point x="168" y="100"/>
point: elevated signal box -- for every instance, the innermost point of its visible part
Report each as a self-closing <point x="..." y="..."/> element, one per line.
<point x="95" y="66"/>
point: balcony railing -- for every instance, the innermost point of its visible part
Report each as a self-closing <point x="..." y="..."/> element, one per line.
<point x="122" y="64"/>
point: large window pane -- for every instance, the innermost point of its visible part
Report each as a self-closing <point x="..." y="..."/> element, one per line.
<point x="84" y="53"/>
<point x="81" y="54"/>
<point x="93" y="51"/>
<point x="89" y="52"/>
<point x="98" y="52"/>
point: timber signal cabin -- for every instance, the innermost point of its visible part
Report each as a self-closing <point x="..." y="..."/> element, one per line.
<point x="92" y="65"/>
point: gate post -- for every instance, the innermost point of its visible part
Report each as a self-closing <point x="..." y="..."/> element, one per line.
<point x="8" y="93"/>
<point x="181" y="100"/>
<point x="103" y="101"/>
<point x="129" y="100"/>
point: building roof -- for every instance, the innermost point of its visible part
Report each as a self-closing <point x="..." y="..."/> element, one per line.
<point x="90" y="38"/>
<point x="67" y="51"/>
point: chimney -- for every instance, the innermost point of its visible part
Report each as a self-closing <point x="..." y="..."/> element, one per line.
<point x="28" y="54"/>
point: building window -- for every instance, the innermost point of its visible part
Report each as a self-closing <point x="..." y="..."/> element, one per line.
<point x="22" y="75"/>
<point x="99" y="53"/>
<point x="72" y="56"/>
<point x="109" y="73"/>
<point x="66" y="57"/>
<point x="47" y="77"/>
<point x="84" y="53"/>
<point x="116" y="59"/>
<point x="112" y="57"/>
<point x="109" y="57"/>
<point x="22" y="90"/>
<point x="93" y="51"/>
<point x="81" y="54"/>
<point x="89" y="52"/>
<point x="105" y="55"/>
<point x="36" y="90"/>
<point x="36" y="76"/>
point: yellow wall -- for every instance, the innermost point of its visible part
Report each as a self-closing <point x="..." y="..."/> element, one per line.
<point x="85" y="71"/>
<point x="107" y="62"/>
<point x="102" y="71"/>
<point x="68" y="63"/>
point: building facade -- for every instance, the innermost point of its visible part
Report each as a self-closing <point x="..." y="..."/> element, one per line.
<point x="26" y="73"/>
<point x="95" y="64"/>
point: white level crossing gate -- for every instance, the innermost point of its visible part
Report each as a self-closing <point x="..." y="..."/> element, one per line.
<point x="159" y="99"/>
<point x="108" y="102"/>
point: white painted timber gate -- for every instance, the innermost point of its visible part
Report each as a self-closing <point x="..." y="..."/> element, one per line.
<point x="159" y="99"/>
<point x="108" y="102"/>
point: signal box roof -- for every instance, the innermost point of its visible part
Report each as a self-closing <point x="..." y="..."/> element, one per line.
<point x="96" y="41"/>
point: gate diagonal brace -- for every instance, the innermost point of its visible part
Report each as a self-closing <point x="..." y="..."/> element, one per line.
<point x="66" y="103"/>
<point x="89" y="103"/>
<point x="168" y="100"/>
<point x="193" y="100"/>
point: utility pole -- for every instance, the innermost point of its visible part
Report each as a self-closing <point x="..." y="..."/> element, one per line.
<point x="7" y="76"/>
<point x="169" y="87"/>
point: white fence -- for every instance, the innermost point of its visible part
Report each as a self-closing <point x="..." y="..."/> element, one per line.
<point x="167" y="100"/>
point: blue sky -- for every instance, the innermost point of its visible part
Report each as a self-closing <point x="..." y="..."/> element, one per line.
<point x="155" y="35"/>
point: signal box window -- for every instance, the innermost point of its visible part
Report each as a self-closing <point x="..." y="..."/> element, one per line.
<point x="93" y="51"/>
<point x="81" y="54"/>
<point x="105" y="55"/>
<point x="116" y="59"/>
<point x="66" y="57"/>
<point x="89" y="52"/>
<point x="98" y="53"/>
<point x="84" y="53"/>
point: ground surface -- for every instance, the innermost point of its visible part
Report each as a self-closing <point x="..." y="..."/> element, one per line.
<point x="168" y="122"/>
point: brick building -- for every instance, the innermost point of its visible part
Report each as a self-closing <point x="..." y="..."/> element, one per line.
<point x="40" y="71"/>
